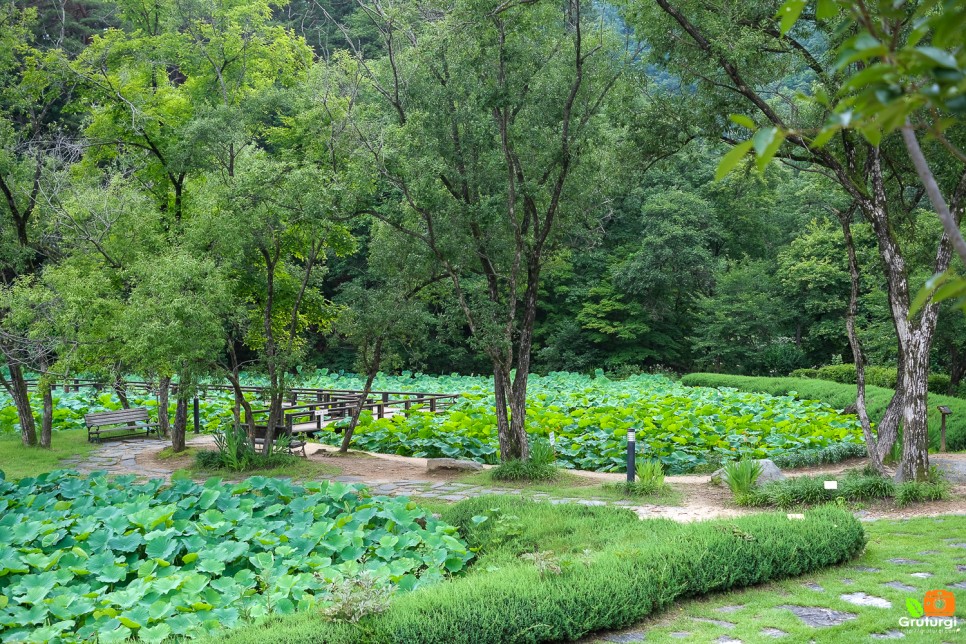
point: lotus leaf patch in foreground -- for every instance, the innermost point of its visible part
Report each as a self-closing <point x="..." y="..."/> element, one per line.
<point x="110" y="557"/>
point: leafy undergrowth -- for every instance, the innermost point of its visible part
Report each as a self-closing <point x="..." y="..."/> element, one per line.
<point x="685" y="428"/>
<point x="116" y="559"/>
<point x="19" y="461"/>
<point x="855" y="486"/>
<point x="559" y="572"/>
<point x="930" y="556"/>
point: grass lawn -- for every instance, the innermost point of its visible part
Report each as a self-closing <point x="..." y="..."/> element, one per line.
<point x="18" y="461"/>
<point x="571" y="486"/>
<point x="939" y="544"/>
<point x="298" y="469"/>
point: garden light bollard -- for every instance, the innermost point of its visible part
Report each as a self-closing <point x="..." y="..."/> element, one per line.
<point x="945" y="411"/>
<point x="631" y="449"/>
<point x="197" y="411"/>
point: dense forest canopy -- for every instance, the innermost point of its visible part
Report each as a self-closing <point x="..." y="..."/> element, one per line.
<point x="196" y="188"/>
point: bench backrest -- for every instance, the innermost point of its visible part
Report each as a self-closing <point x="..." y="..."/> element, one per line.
<point x="118" y="417"/>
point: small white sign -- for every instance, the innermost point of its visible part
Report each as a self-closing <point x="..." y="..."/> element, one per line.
<point x="553" y="440"/>
<point x="831" y="485"/>
<point x="320" y="413"/>
<point x="796" y="516"/>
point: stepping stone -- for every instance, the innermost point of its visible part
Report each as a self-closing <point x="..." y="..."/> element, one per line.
<point x="898" y="585"/>
<point x="863" y="599"/>
<point x="847" y="581"/>
<point x="773" y="632"/>
<point x="924" y="575"/>
<point x="452" y="497"/>
<point x="724" y="639"/>
<point x="889" y="635"/>
<point x="961" y="568"/>
<point x="729" y="609"/>
<point x="819" y="617"/>
<point x="899" y="561"/>
<point x="865" y="569"/>
<point x="813" y="586"/>
<point x="348" y="479"/>
<point x="716" y="622"/>
<point x="959" y="584"/>
<point x="957" y="545"/>
<point x="928" y="552"/>
<point x="680" y="635"/>
<point x="625" y="638"/>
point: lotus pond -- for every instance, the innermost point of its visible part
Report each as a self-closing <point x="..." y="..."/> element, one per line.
<point x="86" y="557"/>
<point x="589" y="416"/>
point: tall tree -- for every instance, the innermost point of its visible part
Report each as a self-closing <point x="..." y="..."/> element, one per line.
<point x="735" y="57"/>
<point x="488" y="131"/>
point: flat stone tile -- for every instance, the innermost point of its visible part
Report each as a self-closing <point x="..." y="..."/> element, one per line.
<point x="900" y="561"/>
<point x="680" y="635"/>
<point x="889" y="635"/>
<point x="811" y="585"/>
<point x="773" y="632"/>
<point x="865" y="569"/>
<point x="729" y="609"/>
<point x="864" y="599"/>
<point x="818" y="617"/>
<point x="625" y="638"/>
<point x="958" y="585"/>
<point x="898" y="585"/>
<point x="921" y="575"/>
<point x="725" y="639"/>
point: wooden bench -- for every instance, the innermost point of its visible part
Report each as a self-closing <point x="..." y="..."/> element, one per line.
<point x="122" y="423"/>
<point x="296" y="444"/>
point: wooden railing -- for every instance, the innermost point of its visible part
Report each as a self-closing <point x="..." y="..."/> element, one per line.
<point x="320" y="405"/>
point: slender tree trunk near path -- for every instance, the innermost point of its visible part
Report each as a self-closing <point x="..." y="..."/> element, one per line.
<point x="47" y="418"/>
<point x="871" y="444"/>
<point x="512" y="435"/>
<point x="164" y="389"/>
<point x="121" y="390"/>
<point x="180" y="421"/>
<point x="17" y="388"/>
<point x="370" y="378"/>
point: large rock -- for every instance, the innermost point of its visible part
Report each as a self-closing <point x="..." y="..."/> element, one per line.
<point x="953" y="469"/>
<point x="769" y="473"/>
<point x="433" y="464"/>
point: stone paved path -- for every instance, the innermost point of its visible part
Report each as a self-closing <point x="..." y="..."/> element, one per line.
<point x="121" y="457"/>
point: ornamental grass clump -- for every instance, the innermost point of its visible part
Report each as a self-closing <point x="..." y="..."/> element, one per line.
<point x="539" y="467"/>
<point x="741" y="477"/>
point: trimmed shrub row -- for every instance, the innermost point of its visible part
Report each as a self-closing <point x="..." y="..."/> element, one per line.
<point x="855" y="487"/>
<point x="615" y="587"/>
<point x="841" y="396"/>
<point x="887" y="377"/>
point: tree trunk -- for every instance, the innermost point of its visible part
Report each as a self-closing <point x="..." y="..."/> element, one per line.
<point x="17" y="387"/>
<point x="513" y="443"/>
<point x="370" y="378"/>
<point x="957" y="369"/>
<point x="164" y="421"/>
<point x="121" y="390"/>
<point x="871" y="444"/>
<point x="915" y="428"/>
<point x="47" y="420"/>
<point x="180" y="421"/>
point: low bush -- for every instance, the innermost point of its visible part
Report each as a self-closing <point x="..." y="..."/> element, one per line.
<point x="840" y="396"/>
<point x="854" y="486"/>
<point x="939" y="383"/>
<point x="809" y="457"/>
<point x="632" y="569"/>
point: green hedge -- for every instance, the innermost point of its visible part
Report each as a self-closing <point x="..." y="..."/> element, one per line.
<point x="841" y="396"/>
<point x="878" y="376"/>
<point x="616" y="586"/>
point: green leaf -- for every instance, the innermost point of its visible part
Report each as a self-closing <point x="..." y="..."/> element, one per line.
<point x="731" y="159"/>
<point x="938" y="56"/>
<point x="742" y="120"/>
<point x="826" y="9"/>
<point x="914" y="608"/>
<point x="789" y="13"/>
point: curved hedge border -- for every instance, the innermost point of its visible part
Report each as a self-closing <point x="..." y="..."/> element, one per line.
<point x="617" y="587"/>
<point x="840" y="396"/>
